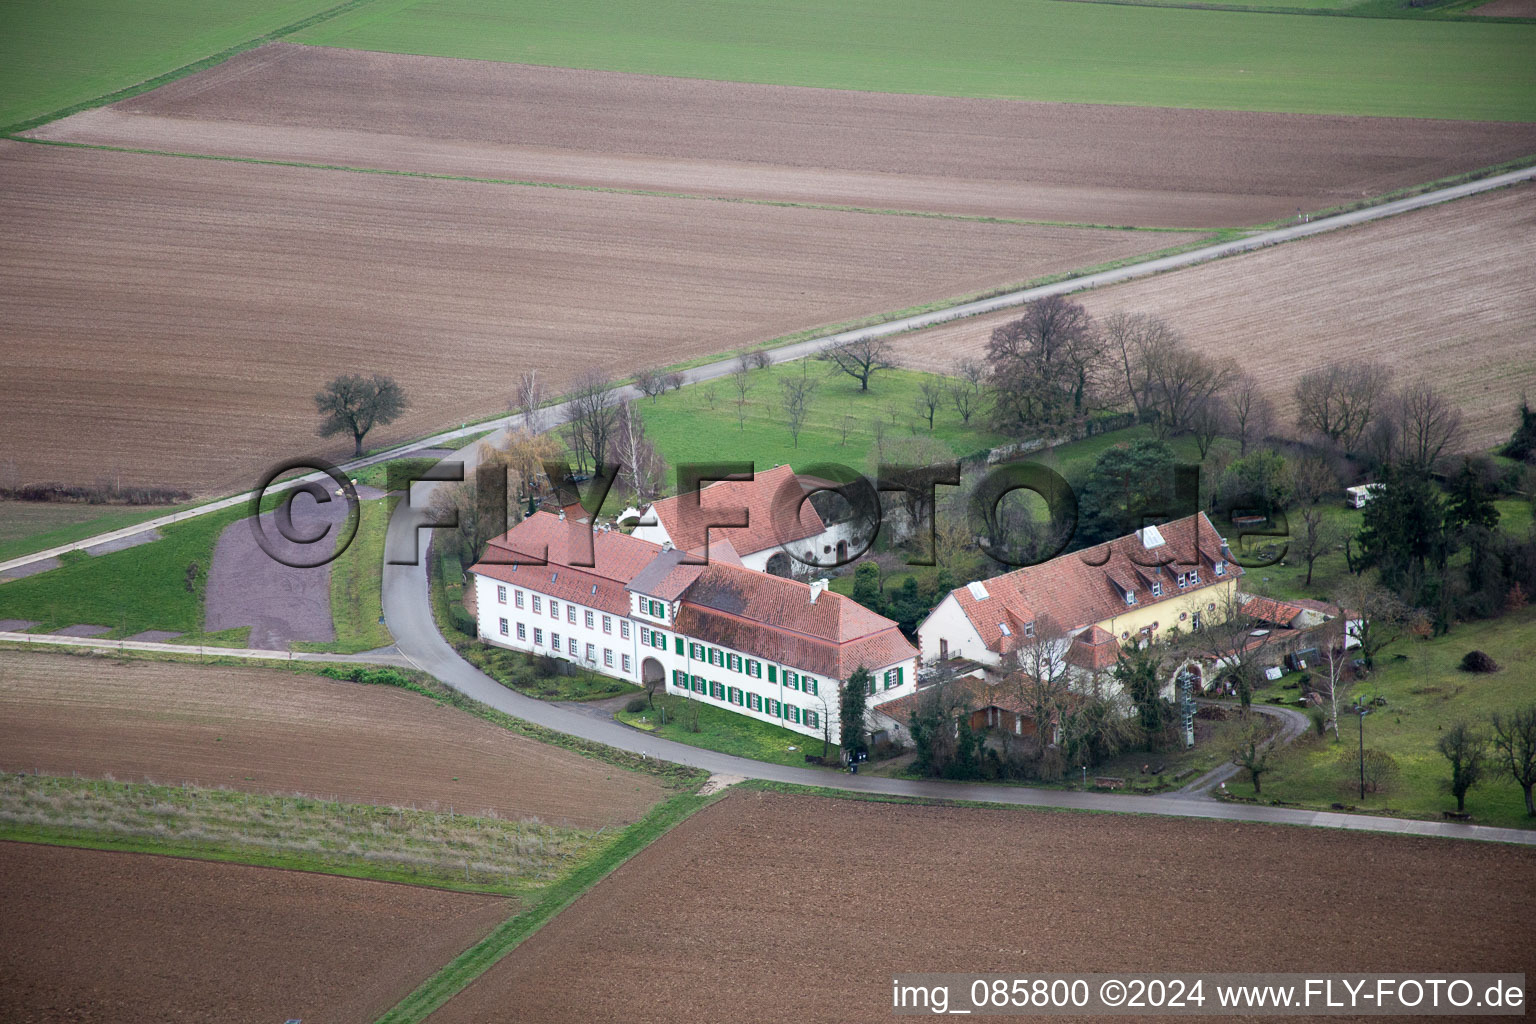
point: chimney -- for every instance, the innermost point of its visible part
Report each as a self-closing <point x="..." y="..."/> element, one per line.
<point x="562" y="514"/>
<point x="666" y="545"/>
<point x="817" y="586"/>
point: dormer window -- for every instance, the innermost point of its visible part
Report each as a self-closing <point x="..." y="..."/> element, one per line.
<point x="1130" y="597"/>
<point x="1157" y="588"/>
<point x="1029" y="629"/>
<point x="1194" y="577"/>
<point x="1221" y="568"/>
<point x="1183" y="581"/>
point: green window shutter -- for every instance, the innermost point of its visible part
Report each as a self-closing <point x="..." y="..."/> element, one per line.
<point x="696" y="651"/>
<point x="698" y="684"/>
<point x="791" y="679"/>
<point x="661" y="640"/>
<point x="794" y="714"/>
<point x="680" y="678"/>
<point x="735" y="695"/>
<point x="871" y="684"/>
<point x="717" y="690"/>
<point x="755" y="701"/>
<point x="752" y="668"/>
<point x="773" y="707"/>
<point x="899" y="673"/>
<point x="812" y="719"/>
<point x="812" y="686"/>
<point x="773" y="674"/>
<point x="679" y="645"/>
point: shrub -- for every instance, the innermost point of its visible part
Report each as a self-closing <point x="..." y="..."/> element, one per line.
<point x="546" y="666"/>
<point x="462" y="620"/>
<point x="1380" y="770"/>
<point x="1319" y="720"/>
<point x="635" y="704"/>
<point x="1477" y="661"/>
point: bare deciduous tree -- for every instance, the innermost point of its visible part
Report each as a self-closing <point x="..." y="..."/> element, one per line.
<point x="529" y="399"/>
<point x="1136" y="342"/>
<point x="642" y="470"/>
<point x="1340" y="400"/>
<point x="1381" y="618"/>
<point x="1046" y="366"/>
<point x="1252" y="413"/>
<point x="930" y="397"/>
<point x="860" y="359"/>
<point x="1180" y="381"/>
<point x="797" y="395"/>
<point x="1426" y="424"/>
<point x="1208" y="421"/>
<point x="592" y="411"/>
<point x="650" y="384"/>
<point x="1224" y="635"/>
<point x="674" y="380"/>
<point x="1318" y="535"/>
<point x="1514" y="749"/>
<point x="741" y="383"/>
<point x="1254" y="753"/>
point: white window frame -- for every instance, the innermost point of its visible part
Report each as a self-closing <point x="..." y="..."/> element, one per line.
<point x="522" y="631"/>
<point x="506" y="628"/>
<point x="501" y="594"/>
<point x="608" y="657"/>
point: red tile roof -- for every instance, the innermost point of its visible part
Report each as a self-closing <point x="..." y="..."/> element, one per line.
<point x="769" y="499"/>
<point x="1094" y="648"/>
<point x="543" y="535"/>
<point x="1280" y="613"/>
<point x="773" y="617"/>
<point x="1088" y="587"/>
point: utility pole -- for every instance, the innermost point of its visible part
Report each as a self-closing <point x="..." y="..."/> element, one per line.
<point x="1360" y="712"/>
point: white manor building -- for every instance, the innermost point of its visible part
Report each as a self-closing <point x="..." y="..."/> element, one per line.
<point x="783" y="535"/>
<point x="767" y="647"/>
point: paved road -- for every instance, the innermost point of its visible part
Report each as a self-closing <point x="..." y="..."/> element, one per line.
<point x="802" y="349"/>
<point x="408" y="614"/>
<point x="1292" y="724"/>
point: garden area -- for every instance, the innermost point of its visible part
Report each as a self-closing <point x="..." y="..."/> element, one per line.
<point x="699" y="723"/>
<point x="1418" y="692"/>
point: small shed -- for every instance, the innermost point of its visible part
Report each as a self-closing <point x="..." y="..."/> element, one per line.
<point x="1362" y="494"/>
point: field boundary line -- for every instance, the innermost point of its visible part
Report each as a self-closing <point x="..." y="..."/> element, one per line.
<point x="469" y="965"/>
<point x="1072" y="282"/>
<point x="202" y="64"/>
<point x="970" y="218"/>
<point x="151" y="647"/>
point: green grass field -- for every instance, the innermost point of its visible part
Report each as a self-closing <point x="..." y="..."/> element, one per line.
<point x="726" y="731"/>
<point x="1425" y="691"/>
<point x="139" y="588"/>
<point x="59" y="53"/>
<point x="27" y="526"/>
<point x="1012" y="49"/>
<point x="688" y="426"/>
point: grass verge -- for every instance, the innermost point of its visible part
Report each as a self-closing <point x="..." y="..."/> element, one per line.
<point x="727" y="732"/>
<point x="421" y="847"/>
<point x="357" y="580"/>
<point x="479" y="958"/>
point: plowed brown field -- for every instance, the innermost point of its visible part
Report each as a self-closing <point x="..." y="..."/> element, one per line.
<point x="168" y="320"/>
<point x="1444" y="293"/>
<point x="279" y="732"/>
<point x="767" y="907"/>
<point x="1043" y="161"/>
<point x="95" y="937"/>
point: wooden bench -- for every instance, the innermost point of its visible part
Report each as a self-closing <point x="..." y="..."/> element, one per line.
<point x="1108" y="782"/>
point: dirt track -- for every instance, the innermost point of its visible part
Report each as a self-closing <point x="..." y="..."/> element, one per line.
<point x="272" y="731"/>
<point x="94" y="937"/>
<point x="1059" y="162"/>
<point x="172" y="318"/>
<point x="770" y="907"/>
<point x="1444" y="293"/>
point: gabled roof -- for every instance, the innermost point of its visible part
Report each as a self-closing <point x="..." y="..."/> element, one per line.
<point x="774" y="490"/>
<point x="775" y="618"/>
<point x="1279" y="613"/>
<point x="618" y="559"/>
<point x="1088" y="587"/>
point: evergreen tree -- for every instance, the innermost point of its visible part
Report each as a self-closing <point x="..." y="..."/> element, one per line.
<point x="866" y="586"/>
<point x="1127" y="484"/>
<point x="1137" y="672"/>
<point x="851" y="706"/>
<point x="1402" y="531"/>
